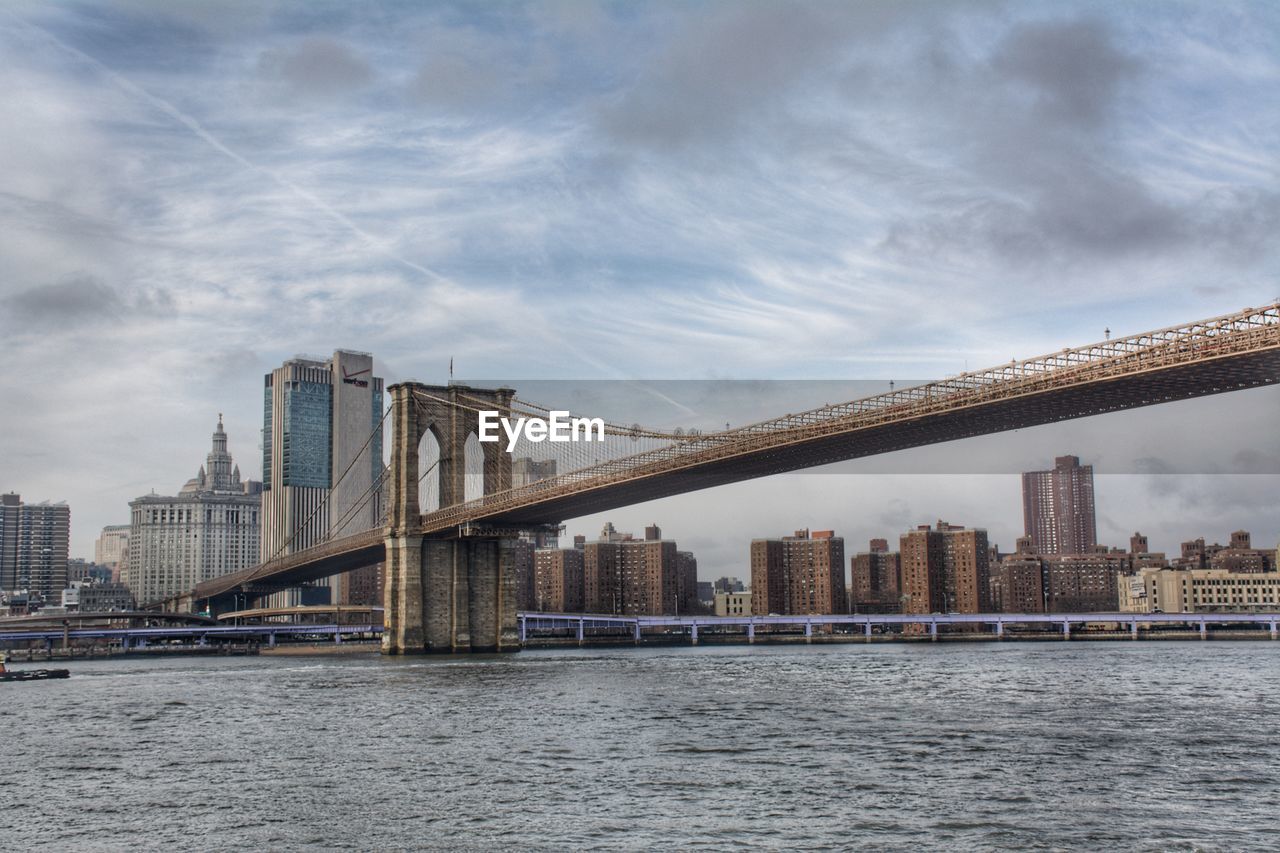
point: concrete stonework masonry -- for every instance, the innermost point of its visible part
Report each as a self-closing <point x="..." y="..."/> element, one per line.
<point x="445" y="594"/>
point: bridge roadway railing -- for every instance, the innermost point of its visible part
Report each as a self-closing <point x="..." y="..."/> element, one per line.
<point x="268" y="631"/>
<point x="337" y="547"/>
<point x="637" y="625"/>
<point x="1249" y="331"/>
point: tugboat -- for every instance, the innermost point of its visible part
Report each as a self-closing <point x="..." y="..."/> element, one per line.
<point x="7" y="674"/>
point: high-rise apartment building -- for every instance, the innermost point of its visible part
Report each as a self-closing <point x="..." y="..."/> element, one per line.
<point x="557" y="580"/>
<point x="1058" y="509"/>
<point x="622" y="574"/>
<point x="34" y="544"/>
<point x="945" y="570"/>
<point x="768" y="578"/>
<point x="1238" y="557"/>
<point x="45" y="539"/>
<point x="1027" y="582"/>
<point x="322" y="464"/>
<point x="922" y="572"/>
<point x="797" y="575"/>
<point x="649" y="577"/>
<point x="1017" y="584"/>
<point x="875" y="584"/>
<point x="1241" y="557"/>
<point x="209" y="529"/>
<point x="1083" y="583"/>
<point x="687" y="582"/>
<point x="10" y="519"/>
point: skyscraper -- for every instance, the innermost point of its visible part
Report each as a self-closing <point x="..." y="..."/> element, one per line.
<point x="945" y="570"/>
<point x="209" y="529"/>
<point x="875" y="585"/>
<point x="322" y="464"/>
<point x="622" y="574"/>
<point x="687" y="583"/>
<point x="557" y="580"/>
<point x="1057" y="507"/>
<point x="800" y="574"/>
<point x="10" y="521"/>
<point x="34" y="544"/>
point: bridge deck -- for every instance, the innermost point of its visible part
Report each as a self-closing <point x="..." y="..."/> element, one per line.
<point x="1208" y="357"/>
<point x="681" y="624"/>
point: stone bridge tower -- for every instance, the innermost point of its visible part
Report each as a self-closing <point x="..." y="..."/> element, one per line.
<point x="446" y="592"/>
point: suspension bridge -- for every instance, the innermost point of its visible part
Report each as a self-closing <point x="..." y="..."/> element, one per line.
<point x="449" y="528"/>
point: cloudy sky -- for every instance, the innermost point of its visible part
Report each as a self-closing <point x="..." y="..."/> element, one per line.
<point x="191" y="193"/>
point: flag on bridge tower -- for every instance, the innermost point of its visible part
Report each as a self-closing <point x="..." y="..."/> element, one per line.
<point x="450" y="367"/>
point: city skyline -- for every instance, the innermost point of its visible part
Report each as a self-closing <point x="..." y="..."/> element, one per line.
<point x="950" y="327"/>
<point x="892" y="512"/>
<point x="196" y="197"/>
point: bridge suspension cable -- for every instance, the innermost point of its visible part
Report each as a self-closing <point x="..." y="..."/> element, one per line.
<point x="1222" y="354"/>
<point x="265" y="566"/>
<point x="365" y="497"/>
<point x="620" y="441"/>
<point x="1249" y="330"/>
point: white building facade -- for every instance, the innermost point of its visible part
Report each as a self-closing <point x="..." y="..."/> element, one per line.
<point x="210" y="528"/>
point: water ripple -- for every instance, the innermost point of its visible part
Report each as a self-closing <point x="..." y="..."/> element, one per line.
<point x="1038" y="747"/>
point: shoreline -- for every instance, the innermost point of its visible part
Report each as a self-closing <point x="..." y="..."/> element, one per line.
<point x="346" y="648"/>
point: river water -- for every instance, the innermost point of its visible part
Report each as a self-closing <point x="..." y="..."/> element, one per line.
<point x="1054" y="745"/>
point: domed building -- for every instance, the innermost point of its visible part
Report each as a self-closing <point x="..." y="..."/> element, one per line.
<point x="210" y="528"/>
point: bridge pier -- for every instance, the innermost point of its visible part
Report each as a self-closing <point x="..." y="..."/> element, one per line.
<point x="751" y="632"/>
<point x="693" y="633"/>
<point x="933" y="632"/>
<point x="999" y="630"/>
<point x="459" y="596"/>
<point x="1066" y="629"/>
<point x="404" y="630"/>
<point x="866" y="631"/>
<point x="446" y="594"/>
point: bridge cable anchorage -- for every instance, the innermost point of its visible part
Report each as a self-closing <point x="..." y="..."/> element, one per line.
<point x="265" y="565"/>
